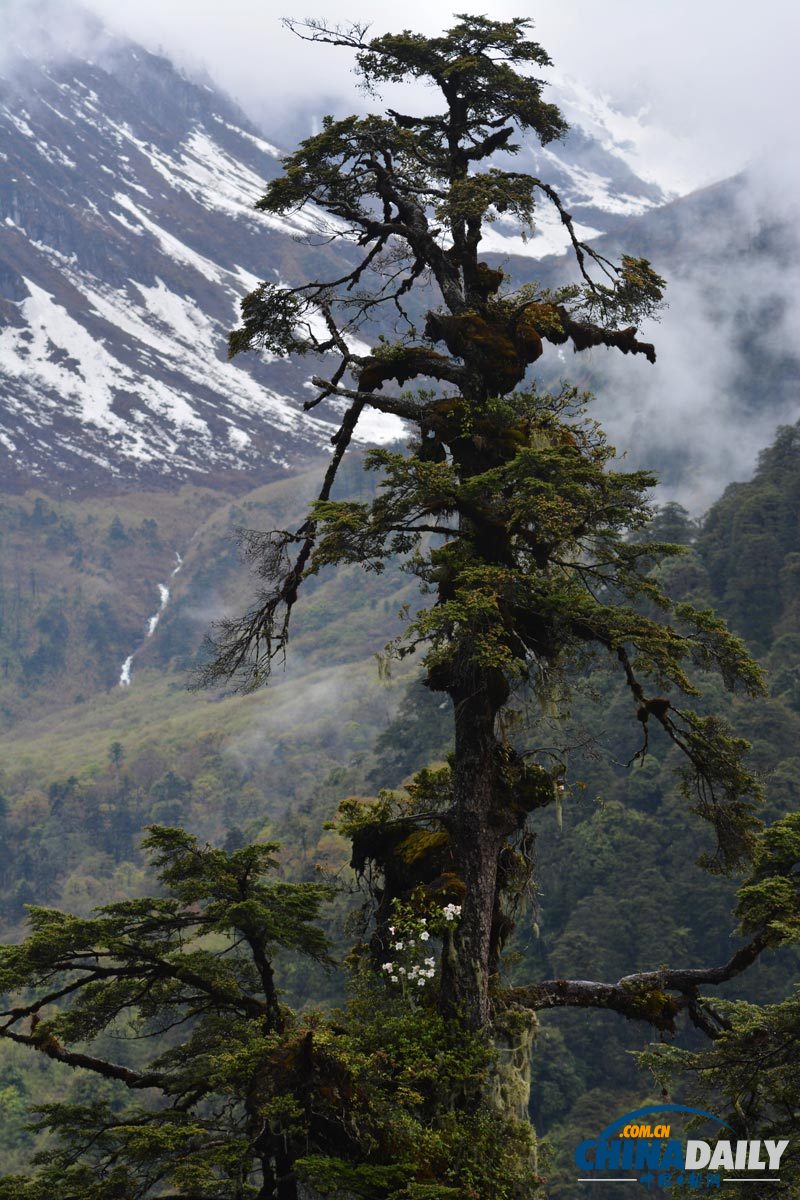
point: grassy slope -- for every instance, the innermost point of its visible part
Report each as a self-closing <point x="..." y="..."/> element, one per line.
<point x="76" y="602"/>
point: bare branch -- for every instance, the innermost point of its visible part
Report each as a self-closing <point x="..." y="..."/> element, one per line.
<point x="641" y="997"/>
<point x="48" y="1044"/>
<point x="246" y="647"/>
<point x="352" y="35"/>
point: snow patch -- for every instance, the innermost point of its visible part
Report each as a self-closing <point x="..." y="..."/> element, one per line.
<point x="263" y="146"/>
<point x="504" y="236"/>
<point x="81" y="377"/>
<point x="598" y="191"/>
<point x="21" y="126"/>
<point x="177" y="250"/>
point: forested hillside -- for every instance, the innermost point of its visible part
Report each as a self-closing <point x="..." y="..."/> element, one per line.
<point x="619" y="883"/>
<point x="87" y="762"/>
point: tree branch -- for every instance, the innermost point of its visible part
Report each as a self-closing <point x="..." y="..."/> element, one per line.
<point x="398" y="406"/>
<point x="641" y="997"/>
<point x="48" y="1044"/>
<point x="248" y="646"/>
<point x="584" y="335"/>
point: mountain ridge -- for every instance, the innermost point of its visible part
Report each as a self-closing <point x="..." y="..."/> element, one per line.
<point x="127" y="238"/>
<point x="115" y="306"/>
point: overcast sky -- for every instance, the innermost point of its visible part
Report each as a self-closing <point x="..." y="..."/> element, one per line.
<point x="715" y="82"/>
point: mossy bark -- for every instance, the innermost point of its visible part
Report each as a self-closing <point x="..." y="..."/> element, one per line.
<point x="509" y="1085"/>
<point x="477" y="838"/>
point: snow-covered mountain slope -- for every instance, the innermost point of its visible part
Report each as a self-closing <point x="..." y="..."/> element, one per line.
<point x="127" y="237"/>
<point x="592" y="171"/>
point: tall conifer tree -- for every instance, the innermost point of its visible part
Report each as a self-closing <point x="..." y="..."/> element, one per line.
<point x="505" y="505"/>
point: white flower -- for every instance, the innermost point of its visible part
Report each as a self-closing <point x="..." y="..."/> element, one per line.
<point x="401" y="970"/>
<point x="430" y="962"/>
<point x="387" y="967"/>
<point x="391" y="930"/>
<point x="394" y="979"/>
<point x="420" y="983"/>
<point x="398" y="946"/>
<point x="424" y="936"/>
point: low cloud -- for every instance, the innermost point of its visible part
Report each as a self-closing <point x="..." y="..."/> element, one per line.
<point x="48" y="31"/>
<point x="728" y="369"/>
<point x="711" y="83"/>
<point x="688" y="92"/>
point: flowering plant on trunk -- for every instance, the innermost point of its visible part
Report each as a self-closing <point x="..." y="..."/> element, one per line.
<point x="411" y="964"/>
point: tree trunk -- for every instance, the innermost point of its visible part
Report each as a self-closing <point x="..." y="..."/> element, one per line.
<point x="477" y="838"/>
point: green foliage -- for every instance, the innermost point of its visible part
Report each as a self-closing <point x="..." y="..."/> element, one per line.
<point x="769" y="903"/>
<point x="247" y="1089"/>
<point x="477" y="57"/>
<point x="400" y="179"/>
<point x="270" y="315"/>
<point x="117" y="534"/>
<point x="535" y="569"/>
<point x="423" y="1130"/>
<point x="200" y="958"/>
<point x="637" y="293"/>
<point x="748" y="1077"/>
<point x="750" y="542"/>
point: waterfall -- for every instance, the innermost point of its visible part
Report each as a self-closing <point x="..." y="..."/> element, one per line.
<point x="152" y="623"/>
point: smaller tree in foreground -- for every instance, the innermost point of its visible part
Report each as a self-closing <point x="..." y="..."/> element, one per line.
<point x="225" y="1093"/>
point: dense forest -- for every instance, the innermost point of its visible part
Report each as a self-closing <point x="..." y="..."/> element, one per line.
<point x="613" y="886"/>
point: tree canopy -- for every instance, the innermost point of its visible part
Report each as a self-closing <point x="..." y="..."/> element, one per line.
<point x="505" y="504"/>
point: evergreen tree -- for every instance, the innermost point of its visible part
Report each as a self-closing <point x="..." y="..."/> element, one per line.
<point x="750" y="543"/>
<point x="231" y="1095"/>
<point x="199" y="959"/>
<point x="750" y="1072"/>
<point x="505" y="505"/>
